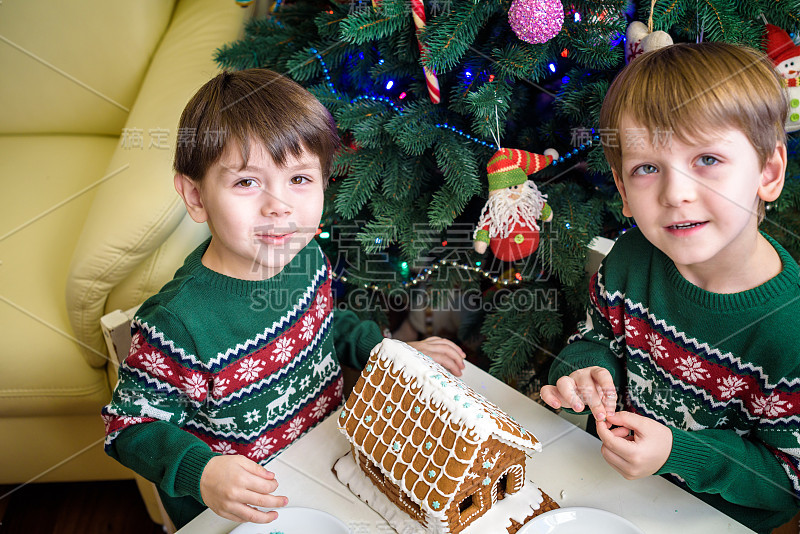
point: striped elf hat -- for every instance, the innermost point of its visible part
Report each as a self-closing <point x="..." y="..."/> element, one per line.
<point x="510" y="166"/>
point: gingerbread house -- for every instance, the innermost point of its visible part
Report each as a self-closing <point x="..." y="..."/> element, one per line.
<point x="430" y="454"/>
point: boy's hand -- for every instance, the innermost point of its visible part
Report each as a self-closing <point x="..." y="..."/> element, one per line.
<point x="443" y="351"/>
<point x="230" y="483"/>
<point x="638" y="447"/>
<point x="590" y="386"/>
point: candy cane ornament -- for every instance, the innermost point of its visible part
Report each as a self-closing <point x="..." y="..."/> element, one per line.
<point x="418" y="14"/>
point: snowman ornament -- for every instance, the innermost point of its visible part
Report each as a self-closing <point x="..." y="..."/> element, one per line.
<point x="785" y="56"/>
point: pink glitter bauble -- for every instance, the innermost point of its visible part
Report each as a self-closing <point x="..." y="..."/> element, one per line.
<point x="536" y="21"/>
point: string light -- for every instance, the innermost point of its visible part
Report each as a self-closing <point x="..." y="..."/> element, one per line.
<point x="325" y="70"/>
<point x="400" y="110"/>
<point x="383" y="99"/>
<point x="464" y="134"/>
<point x="426" y="273"/>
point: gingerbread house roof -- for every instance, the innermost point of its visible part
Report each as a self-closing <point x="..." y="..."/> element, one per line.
<point x="421" y="426"/>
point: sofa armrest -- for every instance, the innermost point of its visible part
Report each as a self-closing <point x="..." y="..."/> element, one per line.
<point x="136" y="209"/>
<point x="116" y="328"/>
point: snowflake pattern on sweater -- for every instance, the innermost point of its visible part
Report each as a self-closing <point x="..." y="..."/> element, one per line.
<point x="254" y="398"/>
<point x="698" y="361"/>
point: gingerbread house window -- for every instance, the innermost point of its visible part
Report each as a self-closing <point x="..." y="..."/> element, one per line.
<point x="465" y="505"/>
<point x="469" y="507"/>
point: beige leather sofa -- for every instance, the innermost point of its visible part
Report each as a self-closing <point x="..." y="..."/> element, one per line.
<point x="90" y="98"/>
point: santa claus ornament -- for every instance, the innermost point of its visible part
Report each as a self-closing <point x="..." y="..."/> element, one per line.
<point x="785" y="56"/>
<point x="508" y="220"/>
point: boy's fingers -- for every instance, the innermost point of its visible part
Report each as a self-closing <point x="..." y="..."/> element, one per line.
<point x="621" y="432"/>
<point x="446" y="344"/>
<point x="605" y="386"/>
<point x="255" y="469"/>
<point x="590" y="396"/>
<point x="613" y="438"/>
<point x="262" y="486"/>
<point x="267" y="501"/>
<point x="549" y="395"/>
<point x="568" y="391"/>
<point x="626" y="419"/>
<point x="619" y="440"/>
<point x="614" y="460"/>
<point x="245" y="513"/>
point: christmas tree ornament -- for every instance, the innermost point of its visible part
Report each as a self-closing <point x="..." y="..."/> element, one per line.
<point x="536" y="21"/>
<point x="640" y="38"/>
<point x="431" y="81"/>
<point x="508" y="220"/>
<point x="785" y="56"/>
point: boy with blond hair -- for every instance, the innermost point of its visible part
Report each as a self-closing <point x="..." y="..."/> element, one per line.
<point x="238" y="355"/>
<point x="693" y="315"/>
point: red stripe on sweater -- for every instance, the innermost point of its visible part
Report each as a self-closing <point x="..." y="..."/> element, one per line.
<point x="270" y="358"/>
<point x="719" y="381"/>
<point x="151" y="361"/>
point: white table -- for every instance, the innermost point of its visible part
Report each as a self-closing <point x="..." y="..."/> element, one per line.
<point x="570" y="469"/>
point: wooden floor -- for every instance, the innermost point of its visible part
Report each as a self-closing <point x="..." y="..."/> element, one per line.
<point x="75" y="508"/>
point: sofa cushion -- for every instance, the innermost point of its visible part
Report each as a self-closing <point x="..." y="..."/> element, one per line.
<point x="129" y="222"/>
<point x="49" y="183"/>
<point x="75" y="67"/>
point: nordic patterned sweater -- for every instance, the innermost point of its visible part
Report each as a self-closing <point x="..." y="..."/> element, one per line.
<point x="722" y="371"/>
<point x="219" y="365"/>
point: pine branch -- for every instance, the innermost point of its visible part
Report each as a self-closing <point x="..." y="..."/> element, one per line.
<point x="447" y="39"/>
<point x="488" y="106"/>
<point x="372" y="24"/>
<point x="515" y="61"/>
<point x="355" y="189"/>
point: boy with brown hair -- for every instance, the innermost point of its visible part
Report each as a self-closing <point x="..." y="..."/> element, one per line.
<point x="238" y="355"/>
<point x="693" y="315"/>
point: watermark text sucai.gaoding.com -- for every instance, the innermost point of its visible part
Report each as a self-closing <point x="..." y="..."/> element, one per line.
<point x="523" y="299"/>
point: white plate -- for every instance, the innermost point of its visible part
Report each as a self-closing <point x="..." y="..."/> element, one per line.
<point x="579" y="520"/>
<point x="296" y="520"/>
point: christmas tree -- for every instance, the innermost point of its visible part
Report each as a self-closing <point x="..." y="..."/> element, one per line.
<point x="424" y="95"/>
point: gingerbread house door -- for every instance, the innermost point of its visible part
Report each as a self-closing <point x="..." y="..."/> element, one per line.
<point x="509" y="482"/>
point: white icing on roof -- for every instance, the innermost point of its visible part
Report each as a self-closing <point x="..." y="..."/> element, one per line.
<point x="442" y="389"/>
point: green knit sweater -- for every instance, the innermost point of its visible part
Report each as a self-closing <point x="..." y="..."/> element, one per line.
<point x="219" y="365"/>
<point x="722" y="371"/>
